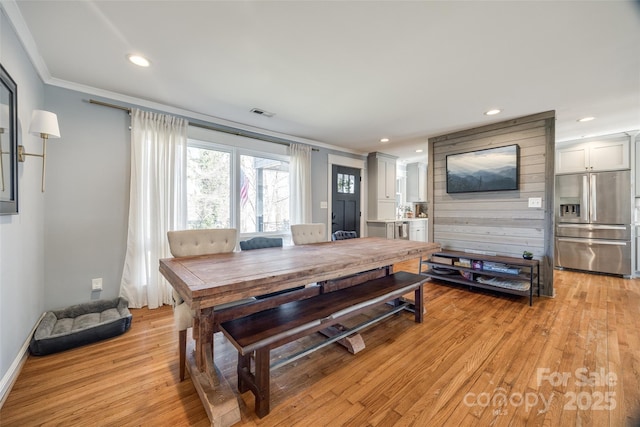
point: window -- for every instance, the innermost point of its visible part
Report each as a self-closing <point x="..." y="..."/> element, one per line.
<point x="346" y="183"/>
<point x="208" y="188"/>
<point x="264" y="195"/>
<point x="260" y="203"/>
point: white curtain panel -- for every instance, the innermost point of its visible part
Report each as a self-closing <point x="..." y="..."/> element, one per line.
<point x="300" y="177"/>
<point x="157" y="204"/>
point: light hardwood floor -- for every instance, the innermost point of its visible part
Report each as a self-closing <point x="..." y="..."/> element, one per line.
<point x="479" y="359"/>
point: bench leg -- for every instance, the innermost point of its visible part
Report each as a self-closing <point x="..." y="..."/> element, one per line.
<point x="262" y="382"/>
<point x="258" y="383"/>
<point x="182" y="351"/>
<point x="419" y="304"/>
<point x="244" y="367"/>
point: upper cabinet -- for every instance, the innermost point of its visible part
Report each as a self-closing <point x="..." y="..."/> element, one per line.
<point x="593" y="156"/>
<point x="386" y="178"/>
<point x="417" y="182"/>
<point x="381" y="169"/>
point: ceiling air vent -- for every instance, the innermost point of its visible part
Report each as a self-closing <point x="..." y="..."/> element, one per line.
<point x="262" y="112"/>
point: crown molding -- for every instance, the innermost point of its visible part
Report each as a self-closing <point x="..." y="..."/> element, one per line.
<point x="19" y="25"/>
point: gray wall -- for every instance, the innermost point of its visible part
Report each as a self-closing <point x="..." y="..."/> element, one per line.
<point x="87" y="199"/>
<point x="22" y="235"/>
<point x="500" y="221"/>
<point x="319" y="165"/>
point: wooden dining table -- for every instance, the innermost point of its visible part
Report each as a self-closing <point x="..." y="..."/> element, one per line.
<point x="209" y="281"/>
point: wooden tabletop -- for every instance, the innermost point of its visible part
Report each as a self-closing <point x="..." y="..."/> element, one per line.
<point x="209" y="280"/>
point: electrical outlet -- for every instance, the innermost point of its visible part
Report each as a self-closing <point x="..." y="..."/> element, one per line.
<point x="535" y="202"/>
<point x="96" y="284"/>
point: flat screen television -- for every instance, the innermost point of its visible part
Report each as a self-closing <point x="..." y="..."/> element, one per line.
<point x="492" y="169"/>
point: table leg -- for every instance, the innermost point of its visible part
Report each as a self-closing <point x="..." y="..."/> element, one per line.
<point x="217" y="396"/>
<point x="203" y="335"/>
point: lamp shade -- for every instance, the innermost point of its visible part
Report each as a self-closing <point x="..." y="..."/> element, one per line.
<point x="44" y="122"/>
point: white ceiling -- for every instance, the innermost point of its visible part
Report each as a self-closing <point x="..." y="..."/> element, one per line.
<point x="348" y="73"/>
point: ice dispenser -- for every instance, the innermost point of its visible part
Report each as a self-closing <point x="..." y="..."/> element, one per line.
<point x="570" y="210"/>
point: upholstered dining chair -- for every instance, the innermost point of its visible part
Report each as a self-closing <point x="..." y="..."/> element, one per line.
<point x="261" y="243"/>
<point x="343" y="235"/>
<point x="304" y="234"/>
<point x="185" y="243"/>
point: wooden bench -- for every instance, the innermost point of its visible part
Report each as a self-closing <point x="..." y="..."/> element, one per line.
<point x="260" y="332"/>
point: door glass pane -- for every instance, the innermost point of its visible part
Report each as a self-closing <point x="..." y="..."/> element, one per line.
<point x="346" y="183"/>
<point x="264" y="195"/>
<point x="208" y="188"/>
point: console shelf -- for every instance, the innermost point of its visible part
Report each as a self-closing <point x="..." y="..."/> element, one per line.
<point x="497" y="273"/>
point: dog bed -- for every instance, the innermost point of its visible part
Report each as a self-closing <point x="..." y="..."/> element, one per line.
<point x="79" y="325"/>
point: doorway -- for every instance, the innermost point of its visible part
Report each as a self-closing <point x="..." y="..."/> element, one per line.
<point x="345" y="199"/>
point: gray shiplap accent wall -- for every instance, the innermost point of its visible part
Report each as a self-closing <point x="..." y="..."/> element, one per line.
<point x="498" y="222"/>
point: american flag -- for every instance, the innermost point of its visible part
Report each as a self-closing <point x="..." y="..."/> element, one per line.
<point x="244" y="188"/>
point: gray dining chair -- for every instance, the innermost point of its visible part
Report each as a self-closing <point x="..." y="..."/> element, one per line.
<point x="343" y="235"/>
<point x="261" y="243"/>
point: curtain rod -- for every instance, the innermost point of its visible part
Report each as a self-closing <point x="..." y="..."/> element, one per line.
<point x="208" y="127"/>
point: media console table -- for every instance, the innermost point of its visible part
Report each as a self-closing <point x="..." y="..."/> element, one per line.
<point x="497" y="273"/>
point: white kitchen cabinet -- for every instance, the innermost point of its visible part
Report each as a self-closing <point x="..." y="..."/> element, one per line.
<point x="593" y="156"/>
<point x="417" y="182"/>
<point x="381" y="229"/>
<point x="386" y="178"/>
<point x="381" y="170"/>
<point x="418" y="230"/>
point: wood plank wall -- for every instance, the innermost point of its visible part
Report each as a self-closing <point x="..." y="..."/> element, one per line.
<point x="500" y="221"/>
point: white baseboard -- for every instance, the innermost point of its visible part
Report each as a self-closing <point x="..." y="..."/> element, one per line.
<point x="14" y="370"/>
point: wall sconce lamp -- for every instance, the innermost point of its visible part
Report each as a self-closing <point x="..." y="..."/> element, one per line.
<point x="45" y="124"/>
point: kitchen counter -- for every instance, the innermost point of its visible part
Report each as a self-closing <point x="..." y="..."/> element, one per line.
<point x="384" y="221"/>
<point x="412" y="228"/>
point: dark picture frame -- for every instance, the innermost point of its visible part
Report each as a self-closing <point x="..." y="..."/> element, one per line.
<point x="491" y="169"/>
<point x="8" y="144"/>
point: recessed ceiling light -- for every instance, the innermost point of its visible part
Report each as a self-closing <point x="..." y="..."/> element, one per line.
<point x="586" y="119"/>
<point x="140" y="61"/>
<point x="492" y="112"/>
<point x="383" y="140"/>
<point x="419" y="150"/>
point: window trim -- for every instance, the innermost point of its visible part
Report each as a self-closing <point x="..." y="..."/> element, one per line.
<point x="204" y="140"/>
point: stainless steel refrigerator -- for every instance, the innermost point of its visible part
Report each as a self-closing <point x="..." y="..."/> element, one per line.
<point x="593" y="222"/>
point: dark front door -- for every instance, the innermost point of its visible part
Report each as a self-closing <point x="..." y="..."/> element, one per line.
<point x="345" y="199"/>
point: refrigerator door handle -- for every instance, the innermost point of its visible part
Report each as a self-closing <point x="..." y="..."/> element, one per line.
<point x="594" y="241"/>
<point x="584" y="213"/>
<point x="593" y="227"/>
<point x="592" y="208"/>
